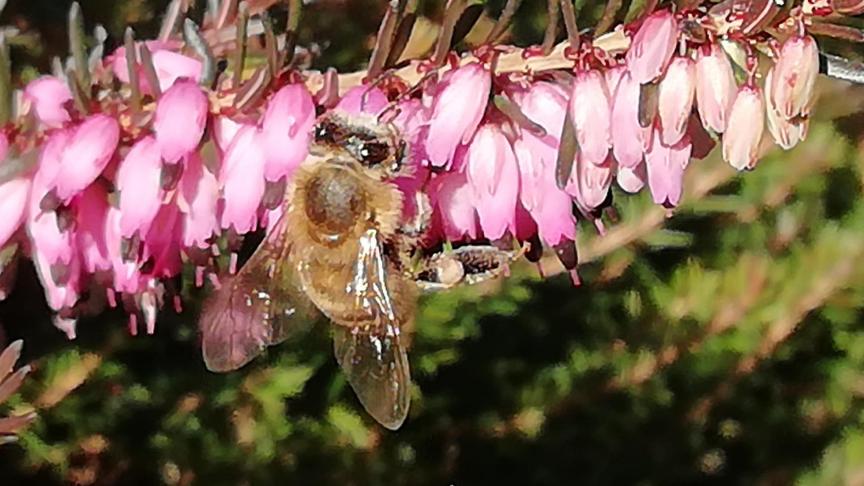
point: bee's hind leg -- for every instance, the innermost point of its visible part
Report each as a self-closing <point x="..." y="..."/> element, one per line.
<point x="464" y="265"/>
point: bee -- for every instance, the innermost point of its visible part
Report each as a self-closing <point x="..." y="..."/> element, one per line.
<point x="343" y="248"/>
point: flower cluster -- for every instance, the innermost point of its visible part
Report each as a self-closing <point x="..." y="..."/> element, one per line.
<point x="130" y="184"/>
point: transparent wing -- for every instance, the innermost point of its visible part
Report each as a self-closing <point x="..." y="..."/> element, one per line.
<point x="261" y="306"/>
<point x="373" y="356"/>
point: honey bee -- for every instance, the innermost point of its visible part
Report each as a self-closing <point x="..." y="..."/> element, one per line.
<point x="343" y="248"/>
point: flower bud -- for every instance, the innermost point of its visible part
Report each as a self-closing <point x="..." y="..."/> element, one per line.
<point x="652" y="46"/>
<point x="626" y="132"/>
<point x="180" y="119"/>
<point x="591" y="113"/>
<point x="795" y="76"/>
<point x="744" y="132"/>
<point x="677" y="89"/>
<point x="715" y="87"/>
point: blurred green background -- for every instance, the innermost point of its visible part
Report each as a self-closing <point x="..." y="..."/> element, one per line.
<point x="721" y="345"/>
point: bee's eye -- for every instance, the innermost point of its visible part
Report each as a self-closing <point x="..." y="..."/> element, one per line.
<point x="373" y="153"/>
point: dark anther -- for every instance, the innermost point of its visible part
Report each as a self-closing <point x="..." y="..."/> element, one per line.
<point x="567" y="254"/>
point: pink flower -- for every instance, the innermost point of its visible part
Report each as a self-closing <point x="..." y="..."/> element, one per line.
<point x="242" y="180"/>
<point x="59" y="294"/>
<point x="180" y="119"/>
<point x="363" y="99"/>
<point x="666" y="166"/>
<point x="198" y="198"/>
<point x="169" y="65"/>
<point x="127" y="277"/>
<point x="162" y="243"/>
<point x="458" y="105"/>
<point x="286" y="128"/>
<point x="677" y="90"/>
<point x="613" y="76"/>
<point x="91" y="213"/>
<point x="454" y="202"/>
<point x="85" y="156"/>
<point x="652" y="46"/>
<point x="43" y="227"/>
<point x="785" y="132"/>
<point x="589" y="107"/>
<point x="13" y="206"/>
<point x="795" y="76"/>
<point x="494" y="176"/>
<point x="630" y="179"/>
<point x="625" y="129"/>
<point x="48" y="96"/>
<point x="746" y="124"/>
<point x="551" y="208"/>
<point x="224" y="131"/>
<point x="590" y="183"/>
<point x="139" y="183"/>
<point x="715" y="87"/>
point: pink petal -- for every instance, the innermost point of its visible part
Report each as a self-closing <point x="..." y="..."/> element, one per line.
<point x="652" y="46"/>
<point x="286" y="128"/>
<point x="666" y="169"/>
<point x="454" y="202"/>
<point x="746" y="125"/>
<point x="88" y="152"/>
<point x="14" y="195"/>
<point x="715" y="87"/>
<point x="363" y="99"/>
<point x="199" y="191"/>
<point x="591" y="112"/>
<point x="180" y="119"/>
<point x="676" y="93"/>
<point x="49" y="96"/>
<point x="138" y="180"/>
<point x="242" y="180"/>
<point x="626" y="131"/>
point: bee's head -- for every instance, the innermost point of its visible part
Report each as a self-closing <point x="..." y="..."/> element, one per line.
<point x="375" y="146"/>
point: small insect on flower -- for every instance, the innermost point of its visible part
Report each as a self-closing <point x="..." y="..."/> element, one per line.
<point x="344" y="247"/>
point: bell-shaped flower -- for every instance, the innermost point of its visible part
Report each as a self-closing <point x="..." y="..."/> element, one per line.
<point x="362" y="99"/>
<point x="625" y="128"/>
<point x="48" y="96"/>
<point x="90" y="148"/>
<point x="591" y="113"/>
<point x="459" y="102"/>
<point x="795" y="76"/>
<point x="785" y="132"/>
<point x="454" y="202"/>
<point x="54" y="243"/>
<point x="285" y="130"/>
<point x="665" y="167"/>
<point x="126" y="271"/>
<point x="242" y="180"/>
<point x="675" y="99"/>
<point x="494" y="176"/>
<point x="198" y="202"/>
<point x="631" y="179"/>
<point x="746" y="125"/>
<point x="180" y="119"/>
<point x="589" y="183"/>
<point x="162" y="243"/>
<point x="139" y="183"/>
<point x="653" y="46"/>
<point x="91" y="213"/>
<point x="14" y="195"/>
<point x="61" y="291"/>
<point x="715" y="86"/>
<point x="168" y="64"/>
<point x="224" y="131"/>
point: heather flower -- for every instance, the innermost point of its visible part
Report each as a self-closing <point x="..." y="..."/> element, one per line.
<point x="652" y="46"/>
<point x="665" y="169"/>
<point x="198" y="202"/>
<point x="86" y="154"/>
<point x="795" y="76"/>
<point x="162" y="243"/>
<point x="91" y="213"/>
<point x="180" y="119"/>
<point x="138" y="180"/>
<point x="454" y="201"/>
<point x="168" y="64"/>
<point x="48" y="97"/>
<point x="286" y="128"/>
<point x="589" y="183"/>
<point x="362" y="99"/>
<point x="625" y="130"/>
<point x="43" y="226"/>
<point x="746" y="124"/>
<point x="589" y="107"/>
<point x="785" y="132"/>
<point x="715" y="86"/>
<point x="13" y="206"/>
<point x="550" y="207"/>
<point x="631" y="179"/>
<point x="241" y="178"/>
<point x="490" y="166"/>
<point x="460" y="101"/>
<point x="677" y="90"/>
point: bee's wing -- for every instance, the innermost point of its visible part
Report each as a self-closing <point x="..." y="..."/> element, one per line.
<point x="260" y="306"/>
<point x="373" y="357"/>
